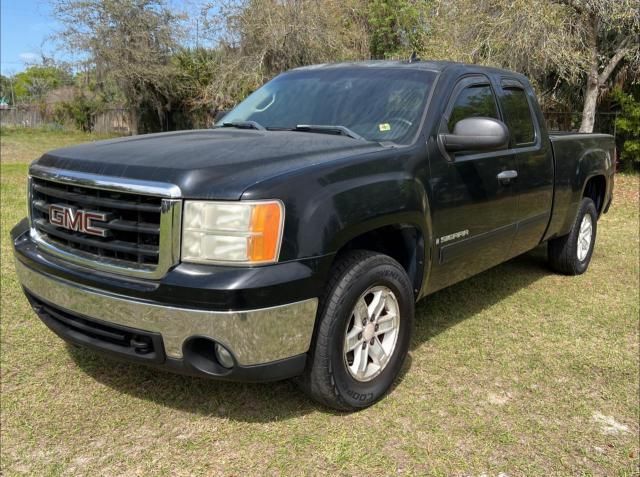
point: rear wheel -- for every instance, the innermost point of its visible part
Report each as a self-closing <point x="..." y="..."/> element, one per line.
<point x="363" y="333"/>
<point x="571" y="254"/>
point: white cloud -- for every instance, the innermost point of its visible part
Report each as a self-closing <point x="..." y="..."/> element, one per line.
<point x="29" y="57"/>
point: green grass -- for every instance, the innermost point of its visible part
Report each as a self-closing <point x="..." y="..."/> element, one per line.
<point x="20" y="145"/>
<point x="516" y="370"/>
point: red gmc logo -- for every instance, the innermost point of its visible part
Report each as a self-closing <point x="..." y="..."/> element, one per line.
<point x="78" y="220"/>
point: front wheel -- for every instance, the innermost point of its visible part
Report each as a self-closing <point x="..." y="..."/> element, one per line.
<point x="363" y="333"/>
<point x="572" y="253"/>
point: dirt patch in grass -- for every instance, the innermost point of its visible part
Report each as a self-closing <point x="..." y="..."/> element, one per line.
<point x="515" y="371"/>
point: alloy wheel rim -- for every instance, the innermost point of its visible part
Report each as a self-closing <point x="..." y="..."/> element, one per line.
<point x="372" y="333"/>
<point x="584" y="237"/>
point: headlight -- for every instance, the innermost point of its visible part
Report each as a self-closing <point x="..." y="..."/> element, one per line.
<point x="232" y="232"/>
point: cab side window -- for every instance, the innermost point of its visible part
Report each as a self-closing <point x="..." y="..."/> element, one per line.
<point x="473" y="101"/>
<point x="518" y="115"/>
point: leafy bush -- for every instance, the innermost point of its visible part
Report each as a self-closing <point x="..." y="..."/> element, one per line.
<point x="80" y="110"/>
<point x="396" y="27"/>
<point x="628" y="128"/>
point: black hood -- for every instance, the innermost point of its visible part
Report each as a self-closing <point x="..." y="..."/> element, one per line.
<point x="211" y="164"/>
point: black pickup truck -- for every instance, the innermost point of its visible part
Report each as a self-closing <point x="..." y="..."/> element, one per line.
<point x="294" y="238"/>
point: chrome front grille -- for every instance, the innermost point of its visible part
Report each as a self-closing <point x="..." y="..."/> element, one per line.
<point x="133" y="226"/>
<point x="141" y="230"/>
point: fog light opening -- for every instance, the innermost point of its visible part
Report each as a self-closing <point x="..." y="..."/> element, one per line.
<point x="205" y="355"/>
<point x="223" y="356"/>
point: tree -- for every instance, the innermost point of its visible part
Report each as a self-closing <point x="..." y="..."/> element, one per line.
<point x="196" y="70"/>
<point x="396" y="27"/>
<point x="564" y="46"/>
<point x="130" y="41"/>
<point x="6" y="89"/>
<point x="36" y="81"/>
<point x="261" y="38"/>
<point x="609" y="30"/>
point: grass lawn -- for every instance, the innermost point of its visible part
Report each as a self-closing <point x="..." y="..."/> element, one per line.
<point x="516" y="371"/>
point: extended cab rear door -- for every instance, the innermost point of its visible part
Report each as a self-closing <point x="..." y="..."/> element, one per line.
<point x="533" y="162"/>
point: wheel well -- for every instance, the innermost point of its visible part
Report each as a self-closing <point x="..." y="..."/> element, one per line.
<point x="403" y="243"/>
<point x="595" y="190"/>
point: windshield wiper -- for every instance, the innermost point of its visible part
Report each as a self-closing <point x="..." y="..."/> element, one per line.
<point x="243" y="125"/>
<point x="321" y="128"/>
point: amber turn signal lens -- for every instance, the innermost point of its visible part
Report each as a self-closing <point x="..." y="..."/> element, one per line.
<point x="266" y="224"/>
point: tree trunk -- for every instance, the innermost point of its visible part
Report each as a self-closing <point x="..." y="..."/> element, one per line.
<point x="590" y="103"/>
<point x="133" y="120"/>
<point x="593" y="84"/>
<point x="595" y="79"/>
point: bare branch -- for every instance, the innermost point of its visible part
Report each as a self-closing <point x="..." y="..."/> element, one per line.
<point x="623" y="49"/>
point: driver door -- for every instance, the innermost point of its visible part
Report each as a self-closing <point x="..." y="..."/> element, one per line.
<point x="475" y="222"/>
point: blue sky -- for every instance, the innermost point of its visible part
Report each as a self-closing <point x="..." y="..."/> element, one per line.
<point x="24" y="28"/>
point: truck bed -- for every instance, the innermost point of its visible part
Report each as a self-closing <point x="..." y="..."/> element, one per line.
<point x="577" y="157"/>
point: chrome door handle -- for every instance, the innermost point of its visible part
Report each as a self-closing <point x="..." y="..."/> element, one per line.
<point x="507" y="176"/>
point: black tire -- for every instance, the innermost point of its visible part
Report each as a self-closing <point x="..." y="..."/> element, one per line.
<point x="563" y="251"/>
<point x="327" y="378"/>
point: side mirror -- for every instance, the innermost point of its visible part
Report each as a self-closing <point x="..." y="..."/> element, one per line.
<point x="476" y="134"/>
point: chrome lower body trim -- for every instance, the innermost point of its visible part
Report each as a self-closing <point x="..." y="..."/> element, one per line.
<point x="253" y="336"/>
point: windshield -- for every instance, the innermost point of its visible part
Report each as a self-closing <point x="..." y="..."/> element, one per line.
<point x="377" y="104"/>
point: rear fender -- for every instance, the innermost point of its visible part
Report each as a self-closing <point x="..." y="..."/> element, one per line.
<point x="590" y="164"/>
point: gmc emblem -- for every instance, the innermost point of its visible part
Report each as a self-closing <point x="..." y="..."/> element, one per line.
<point x="78" y="220"/>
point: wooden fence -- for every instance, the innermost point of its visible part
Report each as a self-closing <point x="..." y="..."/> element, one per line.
<point x="27" y="118"/>
<point x="105" y="122"/>
<point x="112" y="121"/>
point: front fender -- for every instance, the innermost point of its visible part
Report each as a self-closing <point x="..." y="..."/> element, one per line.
<point x="329" y="204"/>
<point x="361" y="208"/>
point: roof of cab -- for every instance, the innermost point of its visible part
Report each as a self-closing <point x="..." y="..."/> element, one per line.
<point x="435" y="66"/>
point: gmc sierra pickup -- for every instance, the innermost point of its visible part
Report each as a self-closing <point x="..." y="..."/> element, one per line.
<point x="294" y="238"/>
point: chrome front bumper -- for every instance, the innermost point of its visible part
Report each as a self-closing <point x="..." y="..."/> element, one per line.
<point x="254" y="336"/>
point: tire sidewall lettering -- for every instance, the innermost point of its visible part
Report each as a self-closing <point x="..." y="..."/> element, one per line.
<point x="364" y="393"/>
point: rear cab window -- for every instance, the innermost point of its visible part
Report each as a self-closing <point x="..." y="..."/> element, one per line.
<point x="517" y="113"/>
